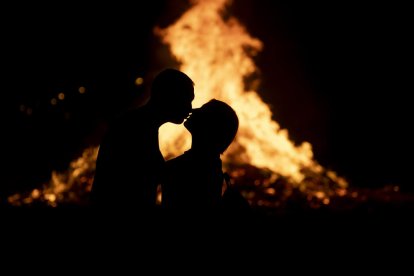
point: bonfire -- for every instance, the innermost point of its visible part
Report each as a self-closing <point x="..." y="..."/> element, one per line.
<point x="216" y="51"/>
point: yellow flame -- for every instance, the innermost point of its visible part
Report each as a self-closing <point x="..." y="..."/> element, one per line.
<point x="217" y="54"/>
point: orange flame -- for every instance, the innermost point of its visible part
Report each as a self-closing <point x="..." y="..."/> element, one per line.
<point x="72" y="185"/>
<point x="216" y="53"/>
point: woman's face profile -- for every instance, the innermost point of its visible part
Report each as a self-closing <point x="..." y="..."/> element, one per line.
<point x="194" y="120"/>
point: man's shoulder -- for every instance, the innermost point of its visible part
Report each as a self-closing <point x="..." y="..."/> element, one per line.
<point x="130" y="115"/>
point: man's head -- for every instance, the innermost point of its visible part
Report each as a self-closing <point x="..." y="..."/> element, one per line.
<point x="172" y="92"/>
<point x="213" y="126"/>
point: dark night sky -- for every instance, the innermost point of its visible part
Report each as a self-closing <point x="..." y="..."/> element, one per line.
<point x="335" y="75"/>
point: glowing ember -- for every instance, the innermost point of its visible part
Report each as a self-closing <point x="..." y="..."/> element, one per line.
<point x="216" y="52"/>
<point x="71" y="186"/>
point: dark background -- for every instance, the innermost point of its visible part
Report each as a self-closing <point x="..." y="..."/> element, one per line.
<point x="335" y="74"/>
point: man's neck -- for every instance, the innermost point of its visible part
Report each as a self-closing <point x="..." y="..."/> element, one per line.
<point x="156" y="114"/>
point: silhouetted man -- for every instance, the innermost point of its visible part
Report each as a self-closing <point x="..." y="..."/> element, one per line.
<point x="130" y="164"/>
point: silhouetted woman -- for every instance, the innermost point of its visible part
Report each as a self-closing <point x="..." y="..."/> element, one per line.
<point x="194" y="180"/>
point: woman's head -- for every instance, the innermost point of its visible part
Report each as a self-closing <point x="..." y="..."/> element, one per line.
<point x="213" y="126"/>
